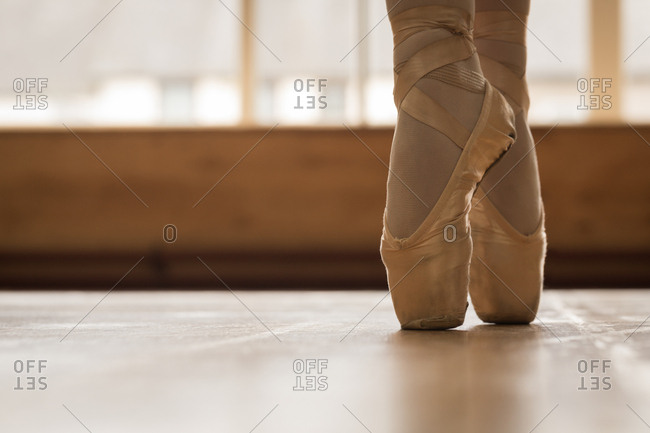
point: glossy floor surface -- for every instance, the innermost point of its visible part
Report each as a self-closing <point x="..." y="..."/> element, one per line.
<point x="287" y="361"/>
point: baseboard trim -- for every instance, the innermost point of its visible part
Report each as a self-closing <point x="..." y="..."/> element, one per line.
<point x="243" y="270"/>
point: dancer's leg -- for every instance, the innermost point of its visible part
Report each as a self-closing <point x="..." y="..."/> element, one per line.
<point x="513" y="182"/>
<point x="422" y="158"/>
<point x="452" y="125"/>
<point x="507" y="218"/>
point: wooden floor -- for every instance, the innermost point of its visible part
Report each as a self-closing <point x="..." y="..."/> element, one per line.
<point x="224" y="362"/>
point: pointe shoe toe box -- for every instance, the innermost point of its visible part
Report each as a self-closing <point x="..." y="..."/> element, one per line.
<point x="507" y="268"/>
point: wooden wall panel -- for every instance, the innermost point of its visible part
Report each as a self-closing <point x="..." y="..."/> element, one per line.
<point x="303" y="208"/>
<point x="596" y="188"/>
<point x="296" y="190"/>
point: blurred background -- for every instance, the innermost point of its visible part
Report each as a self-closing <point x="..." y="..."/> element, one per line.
<point x="253" y="135"/>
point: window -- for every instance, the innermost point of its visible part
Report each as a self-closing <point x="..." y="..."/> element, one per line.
<point x="145" y="62"/>
<point x="293" y="62"/>
<point x="558" y="55"/>
<point x="636" y="60"/>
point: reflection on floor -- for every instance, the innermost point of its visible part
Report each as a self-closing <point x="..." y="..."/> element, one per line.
<point x="317" y="362"/>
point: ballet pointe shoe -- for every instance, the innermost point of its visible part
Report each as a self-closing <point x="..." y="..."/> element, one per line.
<point x="428" y="271"/>
<point x="507" y="268"/>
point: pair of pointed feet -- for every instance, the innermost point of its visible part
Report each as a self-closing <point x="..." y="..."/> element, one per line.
<point x="431" y="273"/>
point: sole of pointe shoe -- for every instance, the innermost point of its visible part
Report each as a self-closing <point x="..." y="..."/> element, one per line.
<point x="436" y="323"/>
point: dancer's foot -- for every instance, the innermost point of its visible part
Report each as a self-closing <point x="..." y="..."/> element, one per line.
<point x="452" y="125"/>
<point x="507" y="216"/>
